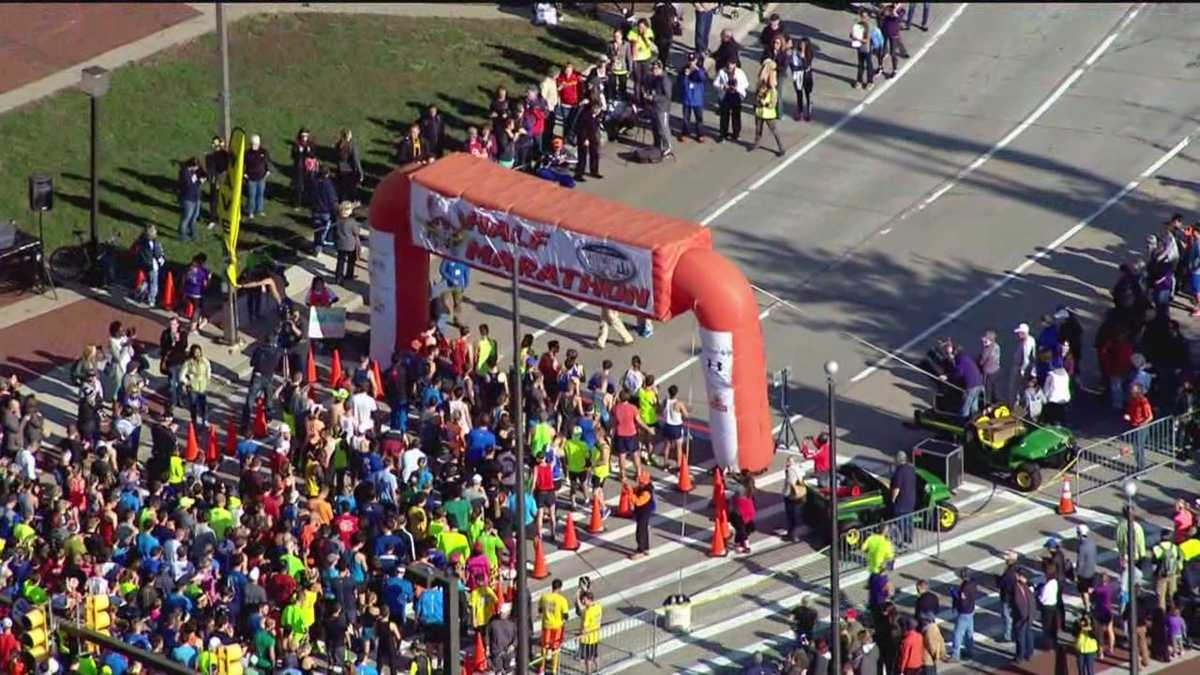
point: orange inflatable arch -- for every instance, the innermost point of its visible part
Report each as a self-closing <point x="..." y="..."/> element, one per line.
<point x="582" y="247"/>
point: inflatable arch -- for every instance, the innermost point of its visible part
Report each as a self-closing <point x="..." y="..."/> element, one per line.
<point x="582" y="247"/>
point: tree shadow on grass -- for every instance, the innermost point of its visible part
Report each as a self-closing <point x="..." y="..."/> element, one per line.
<point x="529" y="66"/>
<point x="130" y="194"/>
<point x="84" y="204"/>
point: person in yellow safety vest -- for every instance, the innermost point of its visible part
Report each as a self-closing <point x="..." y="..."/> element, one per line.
<point x="591" y="615"/>
<point x="206" y="660"/>
<point x="578" y="459"/>
<point x="601" y="468"/>
<point x="879" y="552"/>
<point x="766" y="109"/>
<point x="1086" y="646"/>
<point x="641" y="40"/>
<point x="421" y="663"/>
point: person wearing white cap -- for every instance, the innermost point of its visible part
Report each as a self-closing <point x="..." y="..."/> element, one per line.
<point x="1085" y="566"/>
<point x="1024" y="358"/>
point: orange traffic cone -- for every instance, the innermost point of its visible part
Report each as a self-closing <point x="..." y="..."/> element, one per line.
<point x="717" y="549"/>
<point x="540" y="570"/>
<point x="726" y="528"/>
<point x="231" y="439"/>
<point x="377" y="379"/>
<point x="570" y="538"/>
<point x="685" y="475"/>
<point x="596" y="526"/>
<point x="625" y="505"/>
<point x="310" y="370"/>
<point x="192" y="451"/>
<point x="1066" y="505"/>
<point x="168" y="293"/>
<point x="213" y="454"/>
<point x="479" y="663"/>
<point x="189" y="309"/>
<point x="139" y="281"/>
<point x="260" y="421"/>
<point x="335" y="370"/>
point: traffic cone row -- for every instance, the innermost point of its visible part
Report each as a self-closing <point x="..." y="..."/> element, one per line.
<point x="260" y="420"/>
<point x="596" y="525"/>
<point x="212" y="454"/>
<point x="540" y="569"/>
<point x="168" y="293"/>
<point x="685" y="475"/>
<point x="570" y="538"/>
<point x="625" y="505"/>
<point x="231" y="439"/>
<point x="377" y="379"/>
<point x="192" y="451"/>
<point x="717" y="549"/>
<point x="1066" y="504"/>
<point x="335" y="370"/>
<point x="310" y="369"/>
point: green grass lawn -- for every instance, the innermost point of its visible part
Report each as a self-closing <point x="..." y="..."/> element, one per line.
<point x="373" y="74"/>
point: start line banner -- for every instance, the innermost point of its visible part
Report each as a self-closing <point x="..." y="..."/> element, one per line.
<point x="599" y="271"/>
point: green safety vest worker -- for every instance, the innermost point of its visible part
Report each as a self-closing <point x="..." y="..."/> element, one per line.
<point x="765" y="108"/>
<point x="295" y="566"/>
<point x="220" y="520"/>
<point x="577" y="453"/>
<point x="451" y="542"/>
<point x="879" y="550"/>
<point x="643" y="45"/>
<point x="293" y="618"/>
<point x="175" y="470"/>
<point x="1166" y="559"/>
<point x="491" y="548"/>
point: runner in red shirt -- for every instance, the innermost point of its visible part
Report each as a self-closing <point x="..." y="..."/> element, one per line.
<point x="626" y="423"/>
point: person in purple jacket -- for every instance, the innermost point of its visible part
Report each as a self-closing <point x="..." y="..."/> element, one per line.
<point x="968" y="376"/>
<point x="892" y="16"/>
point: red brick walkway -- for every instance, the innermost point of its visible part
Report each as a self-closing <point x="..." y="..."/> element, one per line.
<point x="37" y="40"/>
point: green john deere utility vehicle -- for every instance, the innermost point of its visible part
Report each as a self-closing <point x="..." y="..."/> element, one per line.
<point x="862" y="501"/>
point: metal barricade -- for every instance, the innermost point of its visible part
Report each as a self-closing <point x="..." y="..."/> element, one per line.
<point x="1128" y="455"/>
<point x="636" y="635"/>
<point x="917" y="531"/>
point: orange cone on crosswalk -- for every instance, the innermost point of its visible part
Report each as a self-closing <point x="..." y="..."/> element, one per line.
<point x="1066" y="504"/>
<point x="717" y="548"/>
<point x="540" y="570"/>
<point x="570" y="537"/>
<point x="139" y="281"/>
<point x="685" y="475"/>
<point x="335" y="370"/>
<point x="310" y="369"/>
<point x="231" y="439"/>
<point x="212" y="454"/>
<point x="377" y="379"/>
<point x="479" y="661"/>
<point x="192" y="451"/>
<point x="596" y="526"/>
<point x="625" y="504"/>
<point x="260" y="420"/>
<point x="168" y="293"/>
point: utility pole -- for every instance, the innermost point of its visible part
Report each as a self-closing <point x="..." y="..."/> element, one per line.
<point x="835" y="564"/>
<point x="231" y="315"/>
<point x="514" y="385"/>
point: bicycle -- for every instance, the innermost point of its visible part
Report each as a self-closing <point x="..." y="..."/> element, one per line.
<point x="72" y="262"/>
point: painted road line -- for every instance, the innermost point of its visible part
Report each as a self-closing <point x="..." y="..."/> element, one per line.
<point x="771" y="607"/>
<point x="1032" y="260"/>
<point x="804" y="150"/>
<point x="979" y="566"/>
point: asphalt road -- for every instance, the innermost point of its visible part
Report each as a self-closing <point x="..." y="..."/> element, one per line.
<point x="1008" y="170"/>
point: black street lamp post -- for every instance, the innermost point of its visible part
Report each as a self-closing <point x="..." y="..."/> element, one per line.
<point x="94" y="82"/>
<point x="835" y="563"/>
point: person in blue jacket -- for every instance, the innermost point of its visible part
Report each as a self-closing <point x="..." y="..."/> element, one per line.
<point x="692" y="84"/>
<point x="457" y="277"/>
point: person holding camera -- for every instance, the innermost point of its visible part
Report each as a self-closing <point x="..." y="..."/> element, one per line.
<point x="731" y="85"/>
